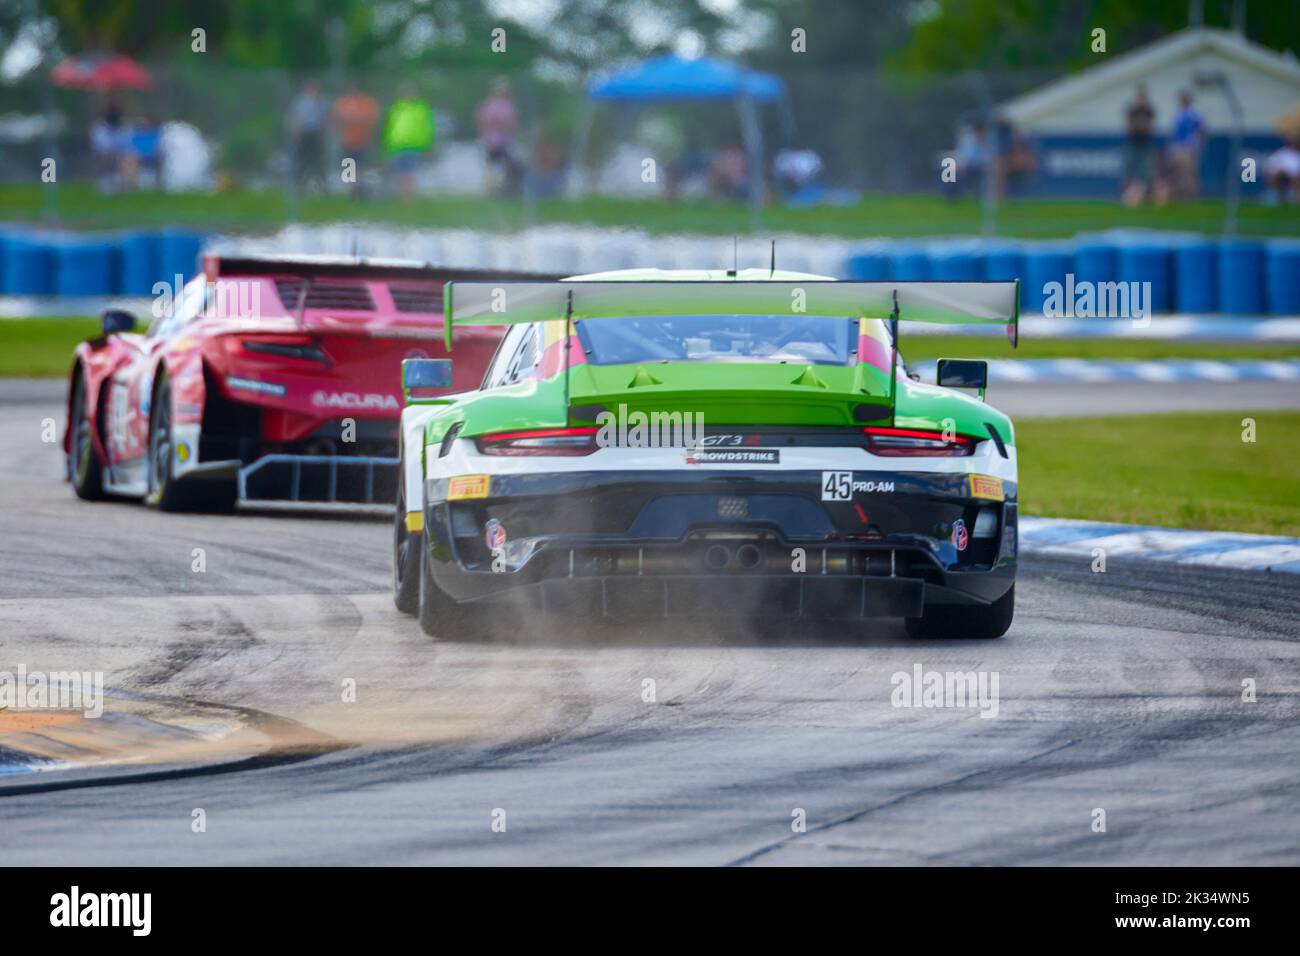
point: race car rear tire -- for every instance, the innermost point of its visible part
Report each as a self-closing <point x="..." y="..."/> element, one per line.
<point x="983" y="622"/>
<point x="83" y="464"/>
<point x="406" y="558"/>
<point x="164" y="489"/>
<point x="439" y="615"/>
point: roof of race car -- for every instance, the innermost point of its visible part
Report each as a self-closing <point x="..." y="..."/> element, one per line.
<point x="697" y="275"/>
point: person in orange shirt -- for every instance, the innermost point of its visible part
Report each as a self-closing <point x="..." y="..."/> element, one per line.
<point x="354" y="117"/>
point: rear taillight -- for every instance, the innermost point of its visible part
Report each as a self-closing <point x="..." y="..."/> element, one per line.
<point x="301" y="347"/>
<point x="540" y="441"/>
<point x="916" y="443"/>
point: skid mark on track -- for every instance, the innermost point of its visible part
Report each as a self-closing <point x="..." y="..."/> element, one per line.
<point x="1004" y="773"/>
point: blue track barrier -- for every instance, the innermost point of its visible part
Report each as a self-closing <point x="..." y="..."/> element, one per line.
<point x="38" y="264"/>
<point x="1096" y="262"/>
<point x="1147" y="263"/>
<point x="140" y="263"/>
<point x="84" y="267"/>
<point x="1282" y="277"/>
<point x="867" y="267"/>
<point x="1196" y="277"/>
<point x="179" y="254"/>
<point x="957" y="265"/>
<point x="1241" y="277"/>
<point x="27" y="268"/>
<point x="1188" y="274"/>
<point x="1043" y="264"/>
<point x="909" y="264"/>
<point x="1003" y="263"/>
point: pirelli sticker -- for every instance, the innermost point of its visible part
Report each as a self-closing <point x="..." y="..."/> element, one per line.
<point x="468" y="486"/>
<point x="985" y="486"/>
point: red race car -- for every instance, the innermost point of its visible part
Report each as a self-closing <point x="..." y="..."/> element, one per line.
<point x="267" y="379"/>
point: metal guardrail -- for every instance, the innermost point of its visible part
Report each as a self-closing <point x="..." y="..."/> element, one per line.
<point x="332" y="462"/>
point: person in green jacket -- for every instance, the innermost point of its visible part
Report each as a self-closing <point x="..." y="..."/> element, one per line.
<point x="408" y="136"/>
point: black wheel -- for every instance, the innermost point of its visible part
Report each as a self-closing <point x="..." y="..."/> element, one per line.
<point x="83" y="464"/>
<point x="981" y="622"/>
<point x="406" y="557"/>
<point x="442" y="617"/>
<point x="163" y="488"/>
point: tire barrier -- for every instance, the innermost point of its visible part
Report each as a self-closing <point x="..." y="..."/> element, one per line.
<point x="1188" y="274"/>
<point x="95" y="264"/>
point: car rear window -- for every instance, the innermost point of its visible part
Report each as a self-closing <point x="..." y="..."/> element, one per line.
<point x="720" y="338"/>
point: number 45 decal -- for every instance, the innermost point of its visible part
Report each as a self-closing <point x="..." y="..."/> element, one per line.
<point x="837" y="486"/>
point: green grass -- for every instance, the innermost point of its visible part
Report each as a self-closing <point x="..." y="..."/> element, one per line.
<point x="927" y="348"/>
<point x="80" y="205"/>
<point x="41" y="348"/>
<point x="1184" y="470"/>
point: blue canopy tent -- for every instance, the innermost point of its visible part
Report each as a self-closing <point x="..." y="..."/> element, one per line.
<point x="672" y="79"/>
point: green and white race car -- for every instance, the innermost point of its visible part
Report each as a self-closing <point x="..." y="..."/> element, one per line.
<point x="750" y="444"/>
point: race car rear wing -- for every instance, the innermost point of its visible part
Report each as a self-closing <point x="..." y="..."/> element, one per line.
<point x="350" y="267"/>
<point x="948" y="303"/>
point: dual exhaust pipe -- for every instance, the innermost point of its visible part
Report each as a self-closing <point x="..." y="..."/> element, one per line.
<point x="719" y="557"/>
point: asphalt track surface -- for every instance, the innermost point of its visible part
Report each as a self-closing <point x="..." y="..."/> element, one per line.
<point x="1119" y="691"/>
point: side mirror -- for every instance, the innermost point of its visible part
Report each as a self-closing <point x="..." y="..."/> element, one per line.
<point x="964" y="373"/>
<point x="421" y="376"/>
<point x="116" y="320"/>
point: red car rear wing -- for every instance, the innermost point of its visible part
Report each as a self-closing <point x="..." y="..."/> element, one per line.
<point x="354" y="267"/>
<point x="341" y="288"/>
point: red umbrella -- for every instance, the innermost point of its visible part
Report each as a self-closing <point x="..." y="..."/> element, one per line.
<point x="101" y="71"/>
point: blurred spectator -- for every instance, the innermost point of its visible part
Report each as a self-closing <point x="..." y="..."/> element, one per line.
<point x="729" y="173"/>
<point x="795" y="169"/>
<point x="548" y="167"/>
<point x="1186" y="141"/>
<point x="692" y="167"/>
<point x="1139" y="148"/>
<point x="973" y="156"/>
<point x="1282" y="173"/>
<point x="1163" y="178"/>
<point x="355" y="116"/>
<point x="142" y="158"/>
<point x="108" y="142"/>
<point x="408" y="137"/>
<point x="498" y="125"/>
<point x="1015" y="159"/>
<point x="307" y="115"/>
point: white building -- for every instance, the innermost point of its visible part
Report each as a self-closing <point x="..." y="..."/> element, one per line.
<point x="1266" y="82"/>
<point x="1077" y="122"/>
